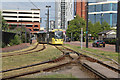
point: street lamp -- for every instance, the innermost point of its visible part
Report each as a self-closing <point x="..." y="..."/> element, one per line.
<point x="48" y="24"/>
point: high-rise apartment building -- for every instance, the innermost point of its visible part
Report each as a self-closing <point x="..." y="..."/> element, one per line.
<point x="63" y="13"/>
<point x="103" y="11"/>
<point x="98" y="11"/>
<point x="23" y="18"/>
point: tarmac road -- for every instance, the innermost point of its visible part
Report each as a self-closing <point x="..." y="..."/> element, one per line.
<point x="107" y="47"/>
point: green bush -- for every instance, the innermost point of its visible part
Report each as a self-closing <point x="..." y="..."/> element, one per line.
<point x="15" y="41"/>
<point x="110" y="41"/>
<point x="23" y="38"/>
<point x="3" y="45"/>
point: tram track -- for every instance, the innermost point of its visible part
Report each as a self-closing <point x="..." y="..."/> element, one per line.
<point x="101" y="57"/>
<point x="96" y="73"/>
<point x="36" y="71"/>
<point x="25" y="52"/>
<point x="94" y="60"/>
<point x="73" y="60"/>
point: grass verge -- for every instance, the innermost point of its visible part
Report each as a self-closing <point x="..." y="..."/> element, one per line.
<point x="22" y="60"/>
<point x="111" y="55"/>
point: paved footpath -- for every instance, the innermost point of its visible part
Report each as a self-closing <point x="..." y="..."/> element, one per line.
<point x="107" y="47"/>
<point x="17" y="47"/>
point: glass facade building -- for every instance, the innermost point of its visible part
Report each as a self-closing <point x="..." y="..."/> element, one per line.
<point x="103" y="11"/>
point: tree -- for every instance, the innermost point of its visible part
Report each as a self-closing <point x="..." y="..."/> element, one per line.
<point x="96" y="28"/>
<point x="75" y="27"/>
<point x="3" y="23"/>
<point x="15" y="41"/>
<point x="105" y="26"/>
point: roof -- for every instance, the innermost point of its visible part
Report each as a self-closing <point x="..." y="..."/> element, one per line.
<point x="105" y="32"/>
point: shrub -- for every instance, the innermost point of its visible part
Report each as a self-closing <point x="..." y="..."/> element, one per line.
<point x="23" y="38"/>
<point x="110" y="40"/>
<point x="3" y="45"/>
<point x="15" y="41"/>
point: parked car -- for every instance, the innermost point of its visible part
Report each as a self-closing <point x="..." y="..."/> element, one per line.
<point x="98" y="43"/>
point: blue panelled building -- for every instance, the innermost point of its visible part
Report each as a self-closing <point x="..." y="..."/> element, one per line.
<point x="103" y="11"/>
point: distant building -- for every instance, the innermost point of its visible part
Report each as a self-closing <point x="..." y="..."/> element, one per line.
<point x="63" y="13"/>
<point x="52" y="24"/>
<point x="103" y="11"/>
<point x="80" y="8"/>
<point x="107" y="34"/>
<point x="25" y="18"/>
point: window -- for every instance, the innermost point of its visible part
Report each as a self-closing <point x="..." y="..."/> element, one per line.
<point x="106" y="7"/>
<point x="98" y="18"/>
<point x="91" y="8"/>
<point x="24" y="13"/>
<point x="28" y="25"/>
<point x="98" y="8"/>
<point x="25" y="16"/>
<point x="106" y="17"/>
<point x="36" y="29"/>
<point x="92" y="18"/>
<point x="10" y="12"/>
<point x="114" y="19"/>
<point x="114" y="7"/>
<point x="11" y="20"/>
<point x="36" y="13"/>
<point x="36" y="26"/>
<point x="11" y="16"/>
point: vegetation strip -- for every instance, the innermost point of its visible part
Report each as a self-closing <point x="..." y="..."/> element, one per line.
<point x="101" y="56"/>
<point x="25" y="53"/>
<point x="56" y="66"/>
<point x="32" y="72"/>
<point x="49" y="61"/>
<point x="26" y="66"/>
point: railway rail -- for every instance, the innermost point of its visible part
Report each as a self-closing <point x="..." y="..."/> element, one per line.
<point x="25" y="52"/>
<point x="88" y="58"/>
<point x="94" y="60"/>
<point x="36" y="71"/>
<point x="101" y="56"/>
<point x="66" y="53"/>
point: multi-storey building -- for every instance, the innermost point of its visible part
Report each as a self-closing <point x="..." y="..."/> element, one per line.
<point x="103" y="11"/>
<point x="63" y="13"/>
<point x="23" y="18"/>
<point x="80" y="8"/>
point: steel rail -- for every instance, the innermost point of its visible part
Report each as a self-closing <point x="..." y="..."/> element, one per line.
<point x="37" y="71"/>
<point x="49" y="61"/>
<point x="101" y="56"/>
<point x="24" y="53"/>
<point x="101" y="76"/>
<point x="95" y="60"/>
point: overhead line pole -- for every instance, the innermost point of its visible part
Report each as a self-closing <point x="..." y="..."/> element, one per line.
<point x="118" y="30"/>
<point x="48" y="24"/>
<point x="87" y="24"/>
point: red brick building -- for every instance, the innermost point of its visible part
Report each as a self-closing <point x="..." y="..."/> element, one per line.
<point x="23" y="18"/>
<point x="80" y="8"/>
